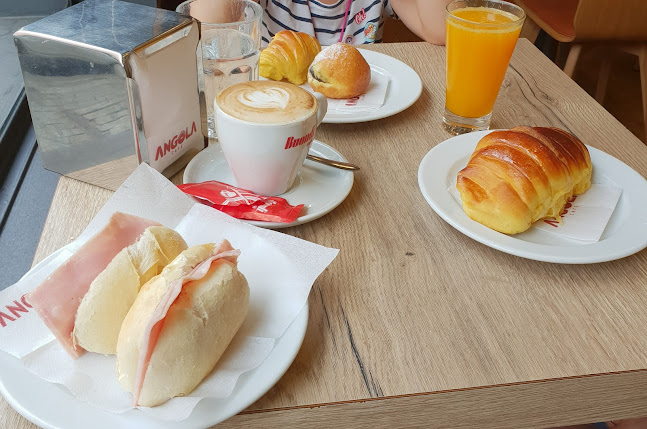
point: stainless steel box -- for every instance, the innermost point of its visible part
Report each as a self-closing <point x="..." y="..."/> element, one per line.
<point x="110" y="85"/>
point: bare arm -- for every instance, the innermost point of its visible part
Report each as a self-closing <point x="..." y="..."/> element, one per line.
<point x="215" y="12"/>
<point x="426" y="18"/>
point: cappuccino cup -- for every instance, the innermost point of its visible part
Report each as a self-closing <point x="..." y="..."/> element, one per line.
<point x="265" y="129"/>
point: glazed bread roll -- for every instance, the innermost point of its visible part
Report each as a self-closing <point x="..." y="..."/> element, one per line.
<point x="181" y="323"/>
<point x="340" y="71"/>
<point x="112" y="293"/>
<point x="516" y="177"/>
<point x="288" y="56"/>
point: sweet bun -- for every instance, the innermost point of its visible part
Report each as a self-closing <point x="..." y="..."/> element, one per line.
<point x="163" y="354"/>
<point x="516" y="177"/>
<point x="339" y="71"/>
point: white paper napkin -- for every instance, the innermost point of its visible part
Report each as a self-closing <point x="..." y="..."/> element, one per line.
<point x="584" y="218"/>
<point x="372" y="99"/>
<point x="280" y="270"/>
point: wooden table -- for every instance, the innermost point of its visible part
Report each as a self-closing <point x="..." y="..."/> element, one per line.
<point x="415" y="324"/>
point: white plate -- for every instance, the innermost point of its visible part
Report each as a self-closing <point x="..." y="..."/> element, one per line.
<point x="319" y="187"/>
<point x="404" y="89"/>
<point x="50" y="405"/>
<point x="625" y="234"/>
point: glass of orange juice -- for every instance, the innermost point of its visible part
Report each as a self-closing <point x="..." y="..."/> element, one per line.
<point x="481" y="35"/>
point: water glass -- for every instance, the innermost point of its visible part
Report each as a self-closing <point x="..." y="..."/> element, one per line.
<point x="230" y="46"/>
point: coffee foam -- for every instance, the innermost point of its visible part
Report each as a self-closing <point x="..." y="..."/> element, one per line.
<point x="267" y="102"/>
<point x="273" y="98"/>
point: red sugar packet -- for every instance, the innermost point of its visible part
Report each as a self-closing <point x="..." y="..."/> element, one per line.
<point x="241" y="203"/>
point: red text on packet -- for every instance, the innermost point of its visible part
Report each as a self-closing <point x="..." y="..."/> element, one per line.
<point x="555" y="223"/>
<point x="11" y="312"/>
<point x="172" y="144"/>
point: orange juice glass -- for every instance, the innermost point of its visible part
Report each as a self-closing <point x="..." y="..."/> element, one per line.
<point x="481" y="35"/>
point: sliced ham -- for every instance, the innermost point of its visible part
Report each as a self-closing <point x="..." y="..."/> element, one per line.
<point x="57" y="299"/>
<point x="155" y="324"/>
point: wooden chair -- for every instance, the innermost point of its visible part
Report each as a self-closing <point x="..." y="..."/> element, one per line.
<point x="620" y="24"/>
<point x="396" y="31"/>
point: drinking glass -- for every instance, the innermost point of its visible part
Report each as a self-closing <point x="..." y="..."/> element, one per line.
<point x="230" y="46"/>
<point x="480" y="38"/>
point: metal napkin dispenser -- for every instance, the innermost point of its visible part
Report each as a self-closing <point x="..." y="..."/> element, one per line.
<point x="110" y="85"/>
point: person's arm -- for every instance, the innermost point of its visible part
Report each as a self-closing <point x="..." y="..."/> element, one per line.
<point x="426" y="18"/>
<point x="222" y="11"/>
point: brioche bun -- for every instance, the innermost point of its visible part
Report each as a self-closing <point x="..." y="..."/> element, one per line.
<point x="339" y="71"/>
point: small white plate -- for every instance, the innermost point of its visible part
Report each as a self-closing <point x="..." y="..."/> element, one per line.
<point x="625" y="234"/>
<point x="51" y="406"/>
<point x="319" y="187"/>
<point x="404" y="89"/>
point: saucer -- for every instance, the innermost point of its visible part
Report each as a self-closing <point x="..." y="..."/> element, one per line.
<point x="320" y="188"/>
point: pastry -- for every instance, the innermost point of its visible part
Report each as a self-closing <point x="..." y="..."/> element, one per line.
<point x="340" y="71"/>
<point x="181" y="323"/>
<point x="288" y="56"/>
<point x="518" y="176"/>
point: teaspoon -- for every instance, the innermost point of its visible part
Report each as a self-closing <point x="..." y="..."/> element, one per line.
<point x="331" y="163"/>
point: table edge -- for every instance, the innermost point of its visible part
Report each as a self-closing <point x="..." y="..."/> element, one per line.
<point x="530" y="404"/>
<point x="436" y="392"/>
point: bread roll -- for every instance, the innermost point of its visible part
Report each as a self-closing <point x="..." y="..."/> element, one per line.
<point x="56" y="300"/>
<point x="112" y="293"/>
<point x="516" y="177"/>
<point x="160" y="359"/>
<point x="288" y="56"/>
<point x="340" y="71"/>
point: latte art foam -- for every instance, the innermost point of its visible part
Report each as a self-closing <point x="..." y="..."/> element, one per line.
<point x="272" y="98"/>
<point x="267" y="102"/>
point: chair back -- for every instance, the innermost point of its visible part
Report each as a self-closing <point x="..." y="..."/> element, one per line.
<point x="611" y="20"/>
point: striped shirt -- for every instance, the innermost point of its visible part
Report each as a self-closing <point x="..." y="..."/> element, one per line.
<point x="364" y="23"/>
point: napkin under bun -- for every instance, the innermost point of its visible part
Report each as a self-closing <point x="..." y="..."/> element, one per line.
<point x="339" y="71"/>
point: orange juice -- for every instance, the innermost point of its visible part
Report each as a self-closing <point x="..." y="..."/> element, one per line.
<point x="479" y="44"/>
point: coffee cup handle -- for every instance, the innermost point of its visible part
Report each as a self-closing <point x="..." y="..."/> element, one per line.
<point x="323" y="106"/>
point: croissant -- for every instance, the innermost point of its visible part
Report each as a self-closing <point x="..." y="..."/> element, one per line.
<point x="288" y="56"/>
<point x="518" y="176"/>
